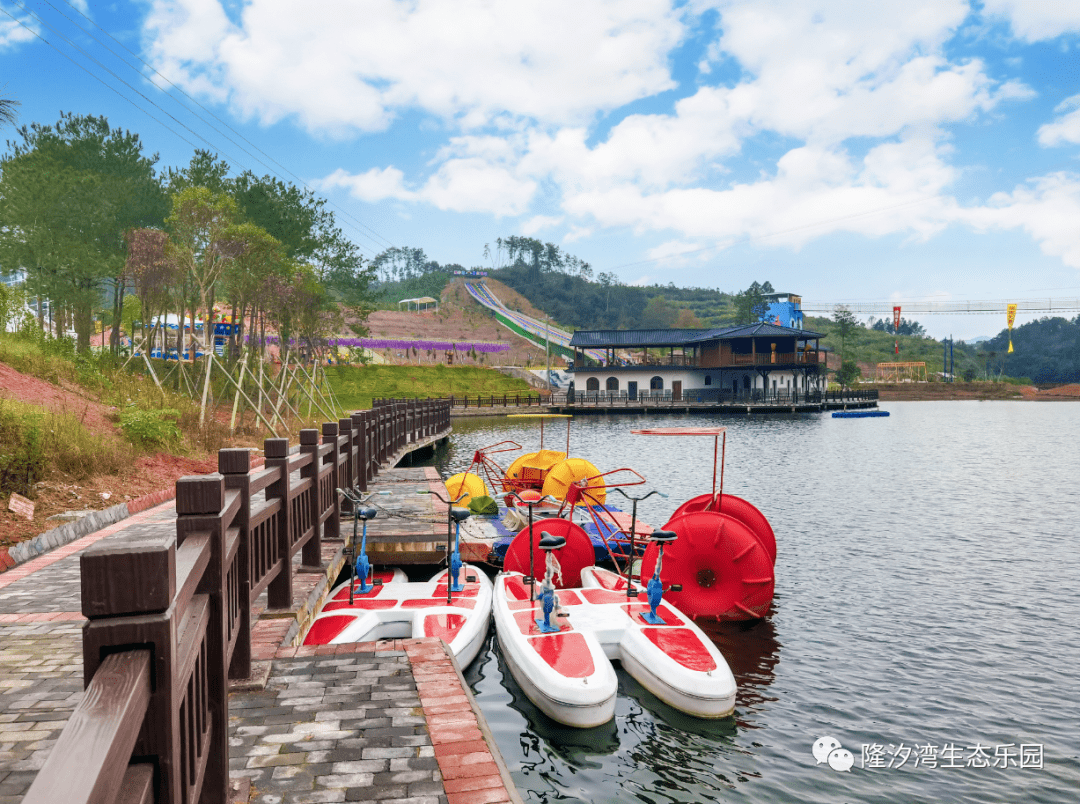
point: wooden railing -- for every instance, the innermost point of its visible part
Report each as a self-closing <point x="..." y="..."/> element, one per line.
<point x="169" y="617"/>
<point x="499" y="400"/>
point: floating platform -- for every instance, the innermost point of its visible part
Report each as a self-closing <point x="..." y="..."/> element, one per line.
<point x="858" y="414"/>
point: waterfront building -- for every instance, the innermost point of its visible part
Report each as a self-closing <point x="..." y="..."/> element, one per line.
<point x="784" y="309"/>
<point x="736" y="362"/>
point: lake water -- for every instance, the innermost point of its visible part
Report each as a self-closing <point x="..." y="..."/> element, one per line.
<point x="927" y="605"/>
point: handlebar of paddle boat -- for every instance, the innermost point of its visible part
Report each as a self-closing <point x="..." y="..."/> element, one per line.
<point x="359" y="567"/>
<point x="530" y="502"/>
<point x="454" y="516"/>
<point x="630" y="591"/>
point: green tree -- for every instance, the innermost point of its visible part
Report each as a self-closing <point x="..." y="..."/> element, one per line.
<point x="68" y="194"/>
<point x="199" y="223"/>
<point x="846" y="323"/>
<point x="750" y="304"/>
<point x="7" y="110"/>
<point x="848" y="374"/>
<point x="658" y="314"/>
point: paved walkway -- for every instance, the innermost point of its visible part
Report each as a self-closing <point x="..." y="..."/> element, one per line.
<point x="390" y="721"/>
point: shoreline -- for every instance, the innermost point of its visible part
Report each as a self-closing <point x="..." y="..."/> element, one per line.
<point x="939" y="391"/>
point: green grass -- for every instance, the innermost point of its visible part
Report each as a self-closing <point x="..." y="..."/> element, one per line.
<point x="34" y="442"/>
<point x="101" y="375"/>
<point x="355" y="386"/>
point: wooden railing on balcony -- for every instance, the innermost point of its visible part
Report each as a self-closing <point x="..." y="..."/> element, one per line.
<point x="169" y="617"/>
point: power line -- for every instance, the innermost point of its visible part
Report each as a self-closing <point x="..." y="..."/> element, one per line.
<point x="986" y="307"/>
<point x="95" y="77"/>
<point x="210" y="144"/>
<point x="384" y="242"/>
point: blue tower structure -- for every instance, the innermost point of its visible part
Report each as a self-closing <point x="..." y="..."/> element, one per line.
<point x="785" y="309"/>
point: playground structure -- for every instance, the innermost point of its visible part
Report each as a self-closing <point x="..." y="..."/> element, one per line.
<point x="901" y="372"/>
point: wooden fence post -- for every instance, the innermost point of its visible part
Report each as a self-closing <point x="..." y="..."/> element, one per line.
<point x="279" y="593"/>
<point x="311" y="552"/>
<point x="127" y="596"/>
<point x="199" y="507"/>
<point x="361" y="425"/>
<point x="235" y="465"/>
<point x="332" y="526"/>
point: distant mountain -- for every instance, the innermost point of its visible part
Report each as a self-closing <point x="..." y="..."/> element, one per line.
<point x="978" y="339"/>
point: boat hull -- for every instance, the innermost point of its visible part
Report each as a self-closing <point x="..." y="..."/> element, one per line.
<point x="399" y="609"/>
<point x="568" y="674"/>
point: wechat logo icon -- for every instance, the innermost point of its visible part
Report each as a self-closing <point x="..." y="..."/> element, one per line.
<point x="828" y="749"/>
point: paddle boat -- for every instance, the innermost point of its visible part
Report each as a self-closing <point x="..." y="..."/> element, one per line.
<point x="571" y="488"/>
<point x="723" y="561"/>
<point x="559" y="640"/>
<point x="454" y="605"/>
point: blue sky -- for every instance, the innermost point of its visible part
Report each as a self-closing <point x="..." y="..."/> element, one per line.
<point x="923" y="150"/>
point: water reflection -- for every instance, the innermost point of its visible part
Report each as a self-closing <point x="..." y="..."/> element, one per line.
<point x="752" y="650"/>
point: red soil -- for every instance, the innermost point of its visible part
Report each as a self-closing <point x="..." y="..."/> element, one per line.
<point x="459" y="319"/>
<point x="25" y="388"/>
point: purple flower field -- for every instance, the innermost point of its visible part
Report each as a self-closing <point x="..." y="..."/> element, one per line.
<point x="423" y="346"/>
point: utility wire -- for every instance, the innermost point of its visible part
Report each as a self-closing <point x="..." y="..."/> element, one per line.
<point x="95" y="77"/>
<point x="374" y="236"/>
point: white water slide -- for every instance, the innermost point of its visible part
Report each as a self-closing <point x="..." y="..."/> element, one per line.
<point x="528" y="327"/>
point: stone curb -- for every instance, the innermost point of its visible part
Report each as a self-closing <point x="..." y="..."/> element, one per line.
<point x="66" y="533"/>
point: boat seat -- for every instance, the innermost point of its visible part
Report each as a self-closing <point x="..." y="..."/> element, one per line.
<point x="549" y="542"/>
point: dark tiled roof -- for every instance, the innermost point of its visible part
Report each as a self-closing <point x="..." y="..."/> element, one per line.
<point x="620" y="338"/>
<point x="624" y="338"/>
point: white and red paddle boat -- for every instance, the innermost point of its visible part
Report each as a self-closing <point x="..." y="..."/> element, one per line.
<point x="454" y="605"/>
<point x="559" y="640"/>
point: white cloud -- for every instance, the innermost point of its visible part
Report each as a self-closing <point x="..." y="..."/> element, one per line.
<point x="460" y="185"/>
<point x="372" y="186"/>
<point x="12" y="33"/>
<point x="1046" y="208"/>
<point x="1066" y="128"/>
<point x="338" y="65"/>
<point x="1033" y="20"/>
<point x="538" y="223"/>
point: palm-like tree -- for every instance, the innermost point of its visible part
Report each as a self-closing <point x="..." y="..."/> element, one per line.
<point x="7" y="110"/>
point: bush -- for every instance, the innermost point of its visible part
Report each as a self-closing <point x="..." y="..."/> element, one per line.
<point x="22" y="461"/>
<point x="33" y="441"/>
<point x="153" y="429"/>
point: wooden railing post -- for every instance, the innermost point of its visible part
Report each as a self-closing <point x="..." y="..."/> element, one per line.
<point x="332" y="526"/>
<point x="361" y="425"/>
<point x="199" y="507"/>
<point x="127" y="595"/>
<point x="235" y="466"/>
<point x="311" y="552"/>
<point x="347" y="451"/>
<point x="279" y="593"/>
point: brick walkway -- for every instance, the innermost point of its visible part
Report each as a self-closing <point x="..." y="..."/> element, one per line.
<point x="389" y="721"/>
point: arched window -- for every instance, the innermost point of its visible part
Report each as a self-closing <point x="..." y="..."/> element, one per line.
<point x="613" y="383"/>
<point x="708" y="379"/>
<point x="656" y="384"/>
<point x="592" y="384"/>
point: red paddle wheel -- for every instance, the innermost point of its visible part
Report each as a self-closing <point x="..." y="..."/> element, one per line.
<point x="576" y="555"/>
<point x="722" y="562"/>
<point x="736" y="507"/>
<point x="724" y="571"/>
